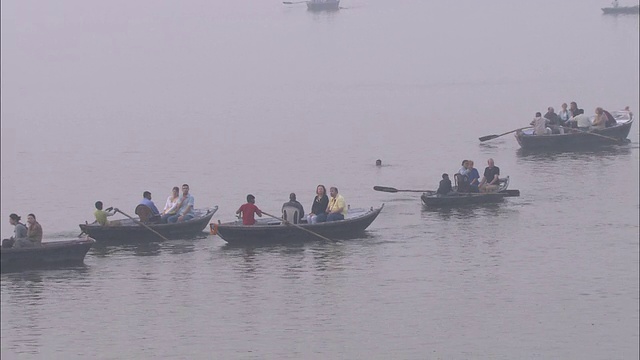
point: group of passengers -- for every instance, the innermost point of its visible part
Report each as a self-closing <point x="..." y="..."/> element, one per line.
<point x="573" y="117"/>
<point x="324" y="208"/>
<point x="24" y="236"/>
<point x="177" y="208"/>
<point x="468" y="179"/>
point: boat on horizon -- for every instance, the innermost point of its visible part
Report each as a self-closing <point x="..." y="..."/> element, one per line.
<point x="323" y="5"/>
<point x="619" y="10"/>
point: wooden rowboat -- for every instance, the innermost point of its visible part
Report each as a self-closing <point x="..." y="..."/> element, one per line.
<point x="578" y="139"/>
<point x="271" y="231"/>
<point x="430" y="199"/>
<point x="49" y="254"/>
<point x="621" y="10"/>
<point x="323" y="5"/>
<point x="128" y="231"/>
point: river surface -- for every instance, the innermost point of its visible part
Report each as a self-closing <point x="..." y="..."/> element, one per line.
<point x="104" y="100"/>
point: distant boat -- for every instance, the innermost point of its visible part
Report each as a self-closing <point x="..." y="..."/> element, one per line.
<point x="574" y="139"/>
<point x="621" y="10"/>
<point x="323" y="5"/>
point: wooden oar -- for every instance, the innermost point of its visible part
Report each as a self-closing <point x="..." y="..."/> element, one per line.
<point x="298" y="226"/>
<point x="141" y="224"/>
<point x="394" y="190"/>
<point x="293" y="2"/>
<point x="594" y="134"/>
<point x="491" y="137"/>
<point x="510" y="193"/>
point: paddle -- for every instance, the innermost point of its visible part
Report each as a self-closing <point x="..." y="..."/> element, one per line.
<point x="510" y="193"/>
<point x="298" y="226"/>
<point x="491" y="137"/>
<point x="293" y="2"/>
<point x="141" y="224"/>
<point x="394" y="190"/>
<point x="594" y="134"/>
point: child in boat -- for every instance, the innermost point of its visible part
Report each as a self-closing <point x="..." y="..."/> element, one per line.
<point x="248" y="211"/>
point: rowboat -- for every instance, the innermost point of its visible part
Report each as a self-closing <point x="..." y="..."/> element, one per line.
<point x="574" y="139"/>
<point x="621" y="10"/>
<point x="454" y="198"/>
<point x="129" y="231"/>
<point x="49" y="254"/>
<point x="272" y="231"/>
<point x="323" y="5"/>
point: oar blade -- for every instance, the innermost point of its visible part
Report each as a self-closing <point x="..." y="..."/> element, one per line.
<point x="385" y="189"/>
<point x="488" y="137"/>
<point x="510" y="193"/>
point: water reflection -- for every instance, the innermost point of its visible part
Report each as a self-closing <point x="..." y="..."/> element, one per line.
<point x="464" y="212"/>
<point x="554" y="154"/>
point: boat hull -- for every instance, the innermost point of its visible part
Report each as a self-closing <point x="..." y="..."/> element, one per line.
<point x="577" y="140"/>
<point x="274" y="232"/>
<point x="126" y="231"/>
<point x="50" y="254"/>
<point x="323" y="6"/>
<point x="461" y="199"/>
<point x="621" y="10"/>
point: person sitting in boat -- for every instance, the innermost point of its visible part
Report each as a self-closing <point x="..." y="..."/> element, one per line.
<point x="19" y="238"/>
<point x="611" y="121"/>
<point x="101" y="215"/>
<point x="575" y="111"/>
<point x="445" y="185"/>
<point x="146" y="201"/>
<point x="554" y="121"/>
<point x="464" y="171"/>
<point x="599" y="122"/>
<point x="295" y="203"/>
<point x="540" y="125"/>
<point x="319" y="207"/>
<point x="34" y="230"/>
<point x="185" y="211"/>
<point x="491" y="177"/>
<point x="564" y="114"/>
<point x="248" y="210"/>
<point x="171" y="206"/>
<point x="474" y="177"/>
<point x="614" y="3"/>
<point x="337" y="208"/>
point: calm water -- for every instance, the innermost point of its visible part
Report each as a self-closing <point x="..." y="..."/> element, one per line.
<point x="103" y="100"/>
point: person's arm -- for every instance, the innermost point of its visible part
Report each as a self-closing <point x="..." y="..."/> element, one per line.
<point x="496" y="177"/>
<point x="258" y="212"/>
<point x="239" y="210"/>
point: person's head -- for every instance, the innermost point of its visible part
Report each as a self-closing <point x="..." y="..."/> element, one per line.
<point x="378" y="162"/>
<point x="292" y="196"/>
<point x="31" y="219"/>
<point x="470" y="164"/>
<point x="321" y="190"/>
<point x="599" y="111"/>
<point x="14" y="219"/>
<point x="175" y="191"/>
<point x="445" y="176"/>
<point x="333" y="191"/>
<point x="185" y="189"/>
<point x="573" y="106"/>
<point x="465" y="163"/>
<point x="578" y="112"/>
<point x="490" y="162"/>
<point x="538" y="114"/>
<point x="146" y="195"/>
<point x="551" y="109"/>
<point x="99" y="205"/>
<point x="564" y="106"/>
<point x="251" y="199"/>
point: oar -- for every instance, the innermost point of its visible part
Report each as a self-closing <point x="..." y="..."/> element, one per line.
<point x="491" y="137"/>
<point x="293" y="2"/>
<point x="141" y="224"/>
<point x="394" y="190"/>
<point x="594" y="134"/>
<point x="298" y="226"/>
<point x="510" y="193"/>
